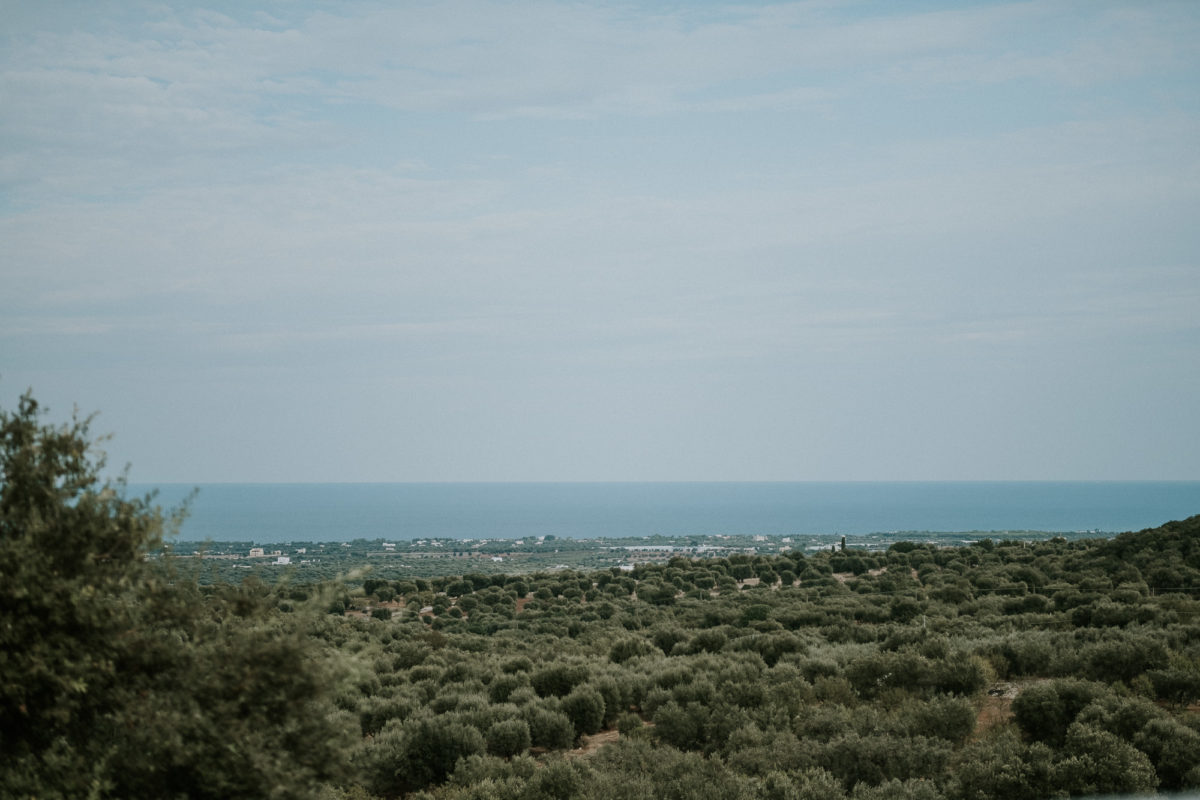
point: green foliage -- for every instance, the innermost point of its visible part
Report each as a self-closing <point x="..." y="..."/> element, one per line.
<point x="508" y="738"/>
<point x="682" y="727"/>
<point x="1002" y="766"/>
<point x="585" y="707"/>
<point x="950" y="718"/>
<point x="1123" y="716"/>
<point x="628" y="724"/>
<point x="502" y="687"/>
<point x="1178" y="684"/>
<point x="872" y="759"/>
<point x="416" y="754"/>
<point x="558" y="680"/>
<point x="894" y="789"/>
<point x="550" y="729"/>
<point x="1173" y="748"/>
<point x="122" y="677"/>
<point x="1045" y="711"/>
<point x="70" y="552"/>
<point x="627" y="648"/>
<point x="1100" y="763"/>
<point x="116" y="680"/>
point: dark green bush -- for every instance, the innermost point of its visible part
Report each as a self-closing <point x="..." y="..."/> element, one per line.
<point x="508" y="738"/>
<point x="558" y="680"/>
<point x="627" y="648"/>
<point x="550" y="729"/>
<point x="1044" y="711"/>
<point x="1100" y="763"/>
<point x="585" y="707"/>
<point x="1173" y="749"/>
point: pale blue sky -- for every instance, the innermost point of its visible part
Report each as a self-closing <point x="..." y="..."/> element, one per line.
<point x="298" y="241"/>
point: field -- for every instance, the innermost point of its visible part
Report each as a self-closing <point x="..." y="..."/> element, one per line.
<point x="898" y="665"/>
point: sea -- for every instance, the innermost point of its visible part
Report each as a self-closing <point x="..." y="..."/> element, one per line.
<point x="268" y="513"/>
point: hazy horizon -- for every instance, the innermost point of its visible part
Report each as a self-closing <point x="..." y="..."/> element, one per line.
<point x="182" y="483"/>
<point x="328" y="512"/>
<point x="288" y="242"/>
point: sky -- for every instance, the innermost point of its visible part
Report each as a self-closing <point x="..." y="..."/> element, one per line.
<point x="548" y="241"/>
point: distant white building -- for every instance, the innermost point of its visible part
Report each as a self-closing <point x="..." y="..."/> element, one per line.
<point x="256" y="552"/>
<point x="497" y="559"/>
<point x="283" y="560"/>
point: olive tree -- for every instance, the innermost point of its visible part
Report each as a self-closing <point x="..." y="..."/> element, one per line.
<point x="119" y="679"/>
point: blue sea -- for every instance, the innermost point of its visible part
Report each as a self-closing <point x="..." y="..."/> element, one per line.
<point x="278" y="513"/>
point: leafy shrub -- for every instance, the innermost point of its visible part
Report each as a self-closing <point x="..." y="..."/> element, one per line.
<point x="950" y="718"/>
<point x="421" y="753"/>
<point x="710" y="641"/>
<point x="558" y="780"/>
<point x="518" y="664"/>
<point x="876" y="758"/>
<point x="1179" y="684"/>
<point x="1101" y="763"/>
<point x="585" y="707"/>
<point x="558" y="680"/>
<point x="628" y="723"/>
<point x="1001" y="766"/>
<point x="912" y="789"/>
<point x="1174" y="750"/>
<point x="1044" y="711"/>
<point x="502" y="687"/>
<point x="681" y="727"/>
<point x="1123" y="659"/>
<point x="550" y="729"/>
<point x="960" y="674"/>
<point x="508" y="738"/>
<point x="1123" y="716"/>
<point x="627" y="648"/>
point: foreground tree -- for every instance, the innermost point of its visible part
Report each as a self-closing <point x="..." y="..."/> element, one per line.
<point x="116" y="681"/>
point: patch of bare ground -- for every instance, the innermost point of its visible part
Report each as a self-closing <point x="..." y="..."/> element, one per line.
<point x="589" y="745"/>
<point x="996" y="709"/>
<point x="994" y="712"/>
<point x="843" y="577"/>
<point x="522" y="602"/>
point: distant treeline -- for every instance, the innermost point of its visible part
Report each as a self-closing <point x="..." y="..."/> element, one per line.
<point x="352" y="561"/>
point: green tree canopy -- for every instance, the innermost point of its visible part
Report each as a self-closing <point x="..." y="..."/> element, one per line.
<point x="117" y="680"/>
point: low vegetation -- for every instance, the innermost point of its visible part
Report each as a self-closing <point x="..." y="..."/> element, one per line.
<point x="1003" y="669"/>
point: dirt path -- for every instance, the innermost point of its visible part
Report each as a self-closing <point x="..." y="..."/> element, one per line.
<point x="589" y="745"/>
<point x="997" y="704"/>
<point x="994" y="712"/>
